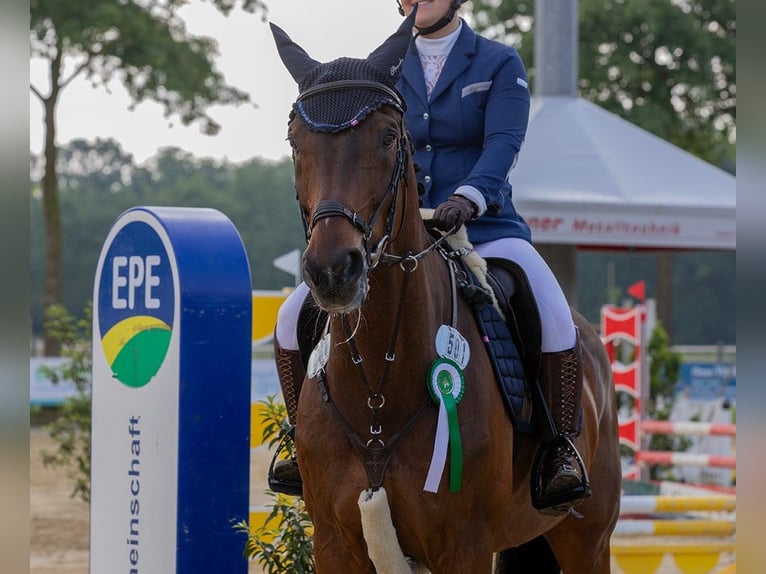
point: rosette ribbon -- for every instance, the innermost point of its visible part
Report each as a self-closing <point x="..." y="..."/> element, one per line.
<point x="446" y="385"/>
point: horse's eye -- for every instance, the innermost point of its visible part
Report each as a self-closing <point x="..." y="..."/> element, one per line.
<point x="389" y="140"/>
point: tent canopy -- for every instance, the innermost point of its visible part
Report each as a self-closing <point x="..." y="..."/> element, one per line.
<point x="587" y="177"/>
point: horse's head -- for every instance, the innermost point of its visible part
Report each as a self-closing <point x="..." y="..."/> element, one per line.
<point x="350" y="155"/>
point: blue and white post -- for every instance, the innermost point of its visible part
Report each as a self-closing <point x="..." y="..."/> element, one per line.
<point x="171" y="395"/>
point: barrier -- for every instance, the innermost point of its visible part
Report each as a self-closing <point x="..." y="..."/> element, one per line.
<point x="170" y="394"/>
<point x="642" y="527"/>
<point x="688" y="428"/>
<point x="692" y="558"/>
<point x="673" y="488"/>
<point x="685" y="459"/>
<point x="688" y="558"/>
<point x="639" y="503"/>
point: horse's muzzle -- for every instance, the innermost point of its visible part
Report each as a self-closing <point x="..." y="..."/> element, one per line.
<point x="338" y="282"/>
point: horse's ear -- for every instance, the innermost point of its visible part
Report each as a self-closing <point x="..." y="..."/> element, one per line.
<point x="389" y="56"/>
<point x="295" y="58"/>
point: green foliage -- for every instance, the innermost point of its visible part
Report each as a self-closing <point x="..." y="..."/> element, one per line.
<point x="664" y="368"/>
<point x="666" y="66"/>
<point x="284" y="542"/>
<point x="71" y="429"/>
<point x="275" y="424"/>
<point x="144" y="45"/>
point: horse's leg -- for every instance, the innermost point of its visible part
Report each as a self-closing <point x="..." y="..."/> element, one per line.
<point x="534" y="556"/>
<point x="334" y="553"/>
<point x="580" y="548"/>
<point x="466" y="560"/>
<point x="582" y="544"/>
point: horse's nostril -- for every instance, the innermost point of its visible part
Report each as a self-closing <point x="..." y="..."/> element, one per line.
<point x="352" y="268"/>
<point x="344" y="270"/>
<point x="314" y="274"/>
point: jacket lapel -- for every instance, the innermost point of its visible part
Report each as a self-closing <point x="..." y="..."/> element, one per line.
<point x="412" y="73"/>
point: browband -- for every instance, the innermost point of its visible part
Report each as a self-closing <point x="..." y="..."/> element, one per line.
<point x="353" y="84"/>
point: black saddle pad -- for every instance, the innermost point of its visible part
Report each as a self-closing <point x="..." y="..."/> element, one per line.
<point x="507" y="362"/>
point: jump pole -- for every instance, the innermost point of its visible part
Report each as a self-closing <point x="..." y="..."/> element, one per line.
<point x="170" y="448"/>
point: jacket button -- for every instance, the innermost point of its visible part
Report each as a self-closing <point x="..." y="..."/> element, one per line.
<point x="425" y="116"/>
<point x="427" y="179"/>
<point x="428" y="147"/>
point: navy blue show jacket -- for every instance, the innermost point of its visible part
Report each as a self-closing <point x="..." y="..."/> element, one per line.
<point x="471" y="130"/>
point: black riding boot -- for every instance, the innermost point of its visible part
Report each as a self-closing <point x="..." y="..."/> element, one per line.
<point x="284" y="475"/>
<point x="563" y="481"/>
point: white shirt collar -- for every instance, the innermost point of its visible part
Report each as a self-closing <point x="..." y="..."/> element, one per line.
<point x="438" y="46"/>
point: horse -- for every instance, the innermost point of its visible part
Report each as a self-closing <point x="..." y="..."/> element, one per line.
<point x="366" y="419"/>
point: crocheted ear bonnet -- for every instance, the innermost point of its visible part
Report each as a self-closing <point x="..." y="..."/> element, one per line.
<point x="337" y="95"/>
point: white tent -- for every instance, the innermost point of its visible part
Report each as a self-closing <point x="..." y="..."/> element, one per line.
<point x="587" y="177"/>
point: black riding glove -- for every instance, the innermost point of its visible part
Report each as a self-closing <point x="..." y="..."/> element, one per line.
<point x="454" y="212"/>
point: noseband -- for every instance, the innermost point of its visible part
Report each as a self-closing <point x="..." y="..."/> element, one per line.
<point x="331" y="208"/>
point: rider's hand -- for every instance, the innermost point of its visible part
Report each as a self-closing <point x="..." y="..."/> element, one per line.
<point x="454" y="212"/>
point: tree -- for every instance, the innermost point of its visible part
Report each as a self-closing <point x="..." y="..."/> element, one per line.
<point x="98" y="181"/>
<point x="70" y="430"/>
<point x="146" y="47"/>
<point x="665" y="65"/>
<point x="664" y="369"/>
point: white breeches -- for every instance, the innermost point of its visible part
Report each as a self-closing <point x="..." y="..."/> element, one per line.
<point x="558" y="331"/>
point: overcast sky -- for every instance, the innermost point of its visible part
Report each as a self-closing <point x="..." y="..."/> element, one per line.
<point x="326" y="29"/>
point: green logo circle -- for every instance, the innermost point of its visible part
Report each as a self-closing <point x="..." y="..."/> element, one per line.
<point x="445" y="382"/>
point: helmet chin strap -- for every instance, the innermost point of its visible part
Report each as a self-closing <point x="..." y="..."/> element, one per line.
<point x="439" y="24"/>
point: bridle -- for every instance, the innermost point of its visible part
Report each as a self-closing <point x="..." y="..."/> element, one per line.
<point x="331" y="208"/>
<point x="374" y="452"/>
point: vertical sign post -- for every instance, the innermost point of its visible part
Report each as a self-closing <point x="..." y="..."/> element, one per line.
<point x="171" y="394"/>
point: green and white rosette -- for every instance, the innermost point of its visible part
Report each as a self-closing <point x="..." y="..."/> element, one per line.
<point x="446" y="385"/>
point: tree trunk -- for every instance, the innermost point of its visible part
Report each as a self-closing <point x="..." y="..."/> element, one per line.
<point x="665" y="291"/>
<point x="52" y="279"/>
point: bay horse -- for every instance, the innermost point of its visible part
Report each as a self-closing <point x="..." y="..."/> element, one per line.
<point x="366" y="421"/>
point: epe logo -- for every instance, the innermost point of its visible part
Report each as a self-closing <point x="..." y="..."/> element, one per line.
<point x="136" y="304"/>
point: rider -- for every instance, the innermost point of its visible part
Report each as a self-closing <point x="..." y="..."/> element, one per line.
<point x="467" y="112"/>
